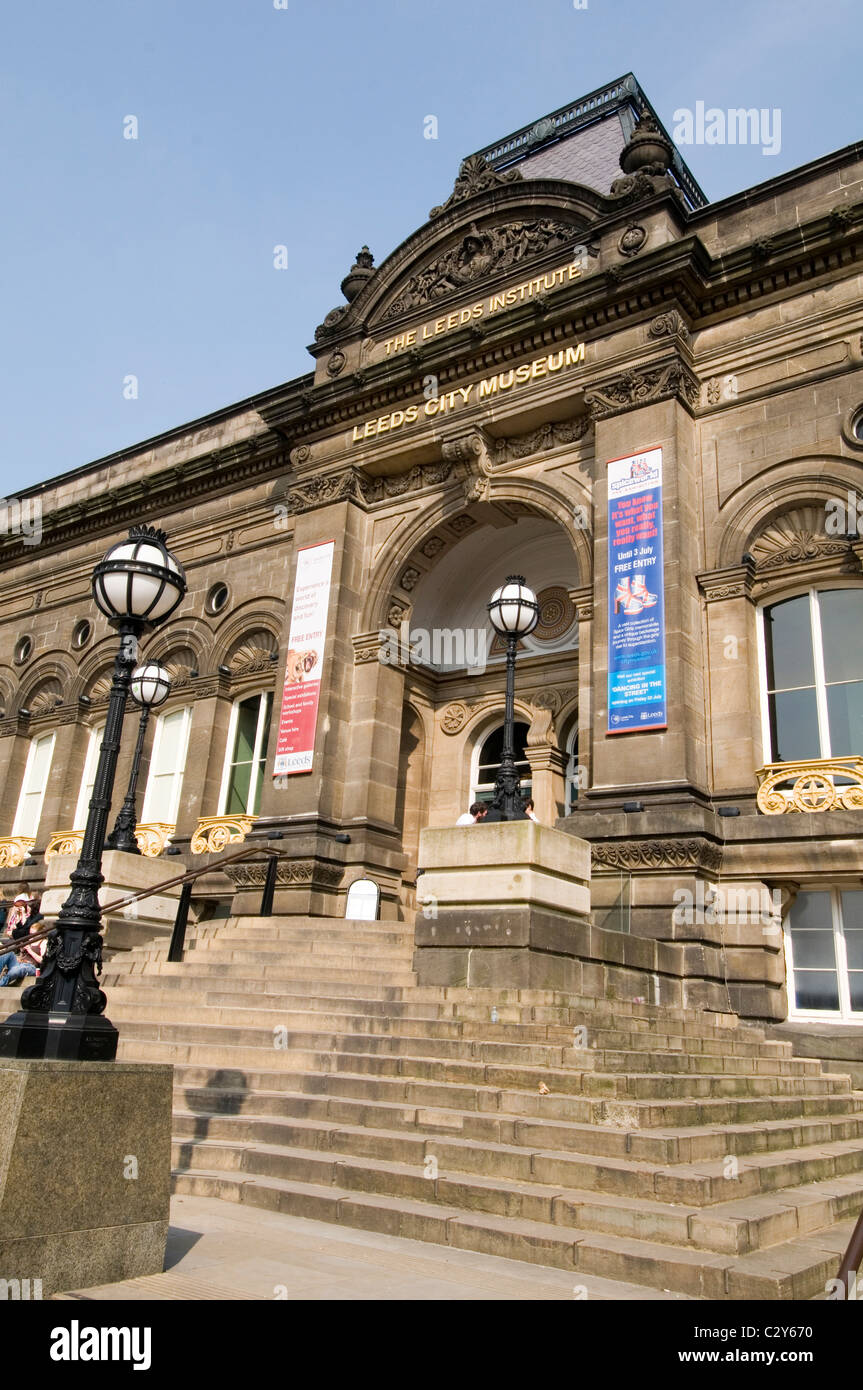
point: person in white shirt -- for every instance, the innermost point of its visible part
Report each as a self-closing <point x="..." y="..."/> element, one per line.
<point x="529" y="811"/>
<point x="477" y="812"/>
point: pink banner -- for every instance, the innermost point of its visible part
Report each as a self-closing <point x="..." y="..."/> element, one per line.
<point x="298" y="720"/>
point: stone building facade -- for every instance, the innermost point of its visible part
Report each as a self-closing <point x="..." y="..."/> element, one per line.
<point x="573" y="300"/>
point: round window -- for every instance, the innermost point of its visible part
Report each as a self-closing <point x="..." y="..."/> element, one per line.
<point x="23" y="648"/>
<point x="217" y="598"/>
<point x="81" y="633"/>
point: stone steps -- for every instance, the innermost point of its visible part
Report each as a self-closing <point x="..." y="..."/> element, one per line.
<point x="403" y="1038"/>
<point x="523" y="1182"/>
<point x="798" y="1270"/>
<point x="440" y="1094"/>
<point x="683" y="1145"/>
<point x="613" y="1137"/>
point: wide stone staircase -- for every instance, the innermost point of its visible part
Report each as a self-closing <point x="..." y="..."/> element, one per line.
<point x="675" y="1150"/>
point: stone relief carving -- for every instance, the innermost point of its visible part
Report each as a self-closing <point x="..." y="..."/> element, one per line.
<point x="632" y="240"/>
<point x="290" y="871"/>
<point x="657" y="854"/>
<point x="796" y="537"/>
<point x="480" y="252"/>
<point x="454" y="717"/>
<point x="474" y="176"/>
<point x="548" y="436"/>
<point x="643" y="387"/>
<point x="409" y="578"/>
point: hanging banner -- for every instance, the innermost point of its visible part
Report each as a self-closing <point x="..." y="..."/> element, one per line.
<point x="298" y="720"/>
<point x="636" y="594"/>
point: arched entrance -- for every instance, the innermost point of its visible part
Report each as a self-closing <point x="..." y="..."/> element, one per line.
<point x="454" y="666"/>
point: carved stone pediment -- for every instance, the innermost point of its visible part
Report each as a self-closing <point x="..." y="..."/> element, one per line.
<point x="479" y="252"/>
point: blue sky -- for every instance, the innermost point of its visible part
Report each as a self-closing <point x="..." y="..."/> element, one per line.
<point x="303" y="126"/>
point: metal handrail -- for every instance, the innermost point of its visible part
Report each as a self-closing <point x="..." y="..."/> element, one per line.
<point x="853" y="1257"/>
<point x="187" y="879"/>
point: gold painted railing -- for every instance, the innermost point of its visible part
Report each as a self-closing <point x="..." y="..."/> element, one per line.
<point x="151" y="840"/>
<point x="811" y="786"/>
<point x="14" y="850"/>
<point x="213" y="833"/>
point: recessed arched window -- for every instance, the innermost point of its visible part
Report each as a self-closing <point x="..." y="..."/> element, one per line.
<point x="248" y="736"/>
<point x="167" y="765"/>
<point x="812" y="676"/>
<point x="33" y="786"/>
<point x="487" y="763"/>
<point x="88" y="777"/>
<point x="574" y="770"/>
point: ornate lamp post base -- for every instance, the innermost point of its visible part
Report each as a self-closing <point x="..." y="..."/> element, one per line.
<point x="59" y="1037"/>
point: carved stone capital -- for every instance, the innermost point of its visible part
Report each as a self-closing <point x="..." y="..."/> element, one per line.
<point x="644" y="386"/>
<point x="367" y="647"/>
<point x="583" y="600"/>
<point x="344" y="486"/>
<point x="734" y="581"/>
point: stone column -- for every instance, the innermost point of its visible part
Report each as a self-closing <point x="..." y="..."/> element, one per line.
<point x="674" y="759"/>
<point x="547" y="768"/>
<point x="583" y="600"/>
<point x="732" y="675"/>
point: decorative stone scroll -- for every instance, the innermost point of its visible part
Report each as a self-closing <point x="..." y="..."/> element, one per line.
<point x="549" y="436"/>
<point x="475" y="175"/>
<point x="64" y="842"/>
<point x="214" y="833"/>
<point x="14" y="849"/>
<point x="632" y="389"/>
<point x="811" y="786"/>
<point x="152" y="839"/>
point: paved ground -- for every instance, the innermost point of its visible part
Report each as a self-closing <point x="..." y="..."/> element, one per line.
<point x="221" y="1250"/>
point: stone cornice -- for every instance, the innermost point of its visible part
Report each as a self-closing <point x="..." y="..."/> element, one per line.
<point x="155" y="494"/>
<point x="676" y="273"/>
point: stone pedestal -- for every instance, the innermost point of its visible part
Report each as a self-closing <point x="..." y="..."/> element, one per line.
<point x="124" y="873"/>
<point x="494" y="899"/>
<point x="85" y="1171"/>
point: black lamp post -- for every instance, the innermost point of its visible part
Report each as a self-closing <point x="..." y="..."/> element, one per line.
<point x="137" y="585"/>
<point x="513" y="613"/>
<point x="150" y="686"/>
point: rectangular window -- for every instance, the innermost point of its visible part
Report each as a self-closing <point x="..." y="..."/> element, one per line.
<point x="824" y="942"/>
<point x="813" y="676"/>
<point x="88" y="777"/>
<point x="33" y="787"/>
<point x="167" y="765"/>
<point x="248" y="737"/>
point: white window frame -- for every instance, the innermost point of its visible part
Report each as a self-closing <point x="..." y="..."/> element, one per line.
<point x="179" y="772"/>
<point x="844" y="1014"/>
<point x="88" y="776"/>
<point x="264" y="716"/>
<point x="572" y="739"/>
<point x="818" y="663"/>
<point x="477" y="787"/>
<point x="24" y="793"/>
